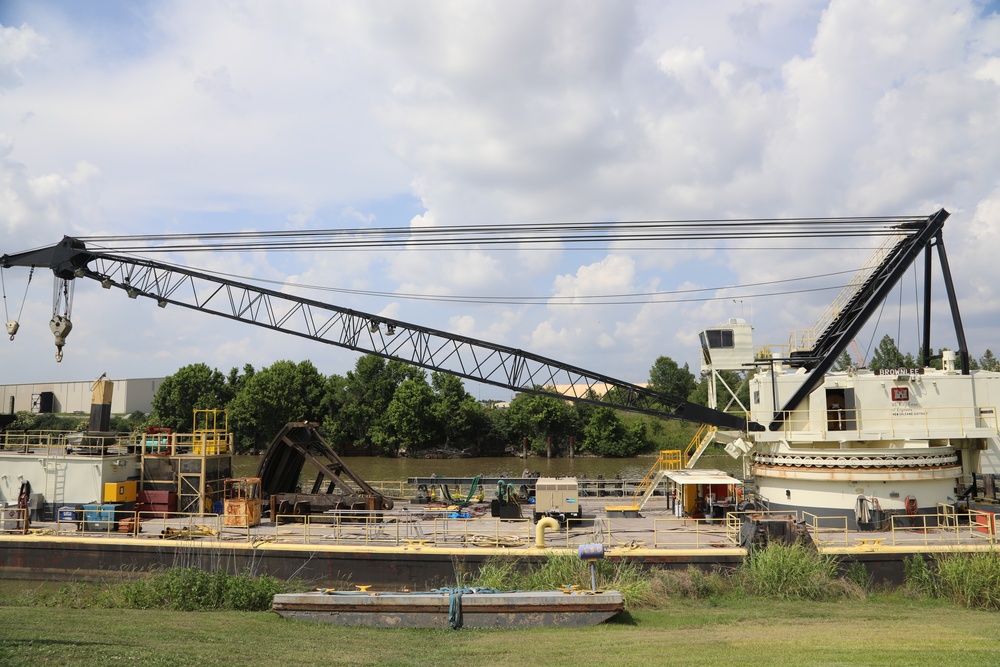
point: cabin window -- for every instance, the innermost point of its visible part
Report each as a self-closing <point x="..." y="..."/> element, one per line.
<point x="719" y="337"/>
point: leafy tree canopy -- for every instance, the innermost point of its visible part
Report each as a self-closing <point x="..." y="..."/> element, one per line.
<point x="461" y="420"/>
<point x="193" y="387"/>
<point x="361" y="398"/>
<point x="887" y="355"/>
<point x="280" y="393"/>
<point x="666" y="377"/>
<point x="988" y="362"/>
<point x="607" y="435"/>
<point x="409" y="420"/>
<point x="540" y="416"/>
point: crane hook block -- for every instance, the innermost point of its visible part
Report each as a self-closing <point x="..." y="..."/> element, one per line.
<point x="12" y="328"/>
<point x="61" y="326"/>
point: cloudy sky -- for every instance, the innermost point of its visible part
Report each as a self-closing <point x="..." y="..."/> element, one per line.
<point x="131" y="117"/>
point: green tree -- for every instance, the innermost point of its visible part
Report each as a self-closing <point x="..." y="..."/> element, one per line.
<point x="541" y="416"/>
<point x="666" y="377"/>
<point x="408" y="422"/>
<point x="606" y="434"/>
<point x="280" y="393"/>
<point x="364" y="396"/>
<point x="236" y="381"/>
<point x="843" y="362"/>
<point x="133" y="423"/>
<point x="192" y="387"/>
<point x="887" y="355"/>
<point x="46" y="421"/>
<point x="497" y="437"/>
<point x="461" y="420"/>
<point x="988" y="362"/>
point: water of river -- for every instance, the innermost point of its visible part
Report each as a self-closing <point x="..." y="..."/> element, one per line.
<point x="373" y="468"/>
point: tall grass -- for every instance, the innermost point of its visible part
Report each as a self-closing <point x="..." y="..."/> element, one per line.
<point x="559" y="570"/>
<point x="690" y="583"/>
<point x="793" y="572"/>
<point x="969" y="580"/>
<point x="778" y="571"/>
<point x="178" y="589"/>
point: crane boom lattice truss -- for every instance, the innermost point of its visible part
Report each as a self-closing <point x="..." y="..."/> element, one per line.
<point x="428" y="348"/>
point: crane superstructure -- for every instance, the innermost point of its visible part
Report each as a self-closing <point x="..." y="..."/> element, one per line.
<point x="814" y="440"/>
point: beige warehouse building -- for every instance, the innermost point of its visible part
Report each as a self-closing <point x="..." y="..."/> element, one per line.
<point x="74" y="397"/>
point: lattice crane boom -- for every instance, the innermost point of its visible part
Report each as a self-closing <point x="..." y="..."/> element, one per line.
<point x="436" y="350"/>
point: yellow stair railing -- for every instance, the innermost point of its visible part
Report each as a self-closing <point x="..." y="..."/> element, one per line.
<point x="699" y="441"/>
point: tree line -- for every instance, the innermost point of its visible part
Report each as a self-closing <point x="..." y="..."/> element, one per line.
<point x="888" y="355"/>
<point x="390" y="408"/>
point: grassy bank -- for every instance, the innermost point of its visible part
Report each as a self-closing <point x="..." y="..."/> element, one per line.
<point x="884" y="632"/>
<point x="782" y="606"/>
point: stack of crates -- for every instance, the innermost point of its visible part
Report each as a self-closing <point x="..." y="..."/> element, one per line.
<point x="71" y="514"/>
<point x="102" y="517"/>
<point x="156" y="504"/>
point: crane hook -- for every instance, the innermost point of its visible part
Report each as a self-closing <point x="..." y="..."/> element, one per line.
<point x="61" y="326"/>
<point x="12" y="328"/>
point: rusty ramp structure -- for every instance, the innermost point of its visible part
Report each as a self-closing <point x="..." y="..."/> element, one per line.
<point x="334" y="487"/>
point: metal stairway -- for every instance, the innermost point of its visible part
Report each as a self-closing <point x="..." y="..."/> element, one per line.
<point x="669" y="459"/>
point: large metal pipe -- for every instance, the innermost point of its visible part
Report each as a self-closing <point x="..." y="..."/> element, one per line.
<point x="543" y="523"/>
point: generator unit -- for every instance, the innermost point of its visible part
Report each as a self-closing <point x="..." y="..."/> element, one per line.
<point x="557" y="497"/>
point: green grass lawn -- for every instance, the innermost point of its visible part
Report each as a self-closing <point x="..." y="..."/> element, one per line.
<point x="884" y="631"/>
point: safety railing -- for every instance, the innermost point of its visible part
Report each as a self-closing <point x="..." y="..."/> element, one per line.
<point x="57" y="443"/>
<point x="607" y="488"/>
<point x="948" y="515"/>
<point x="983" y="525"/>
<point x="449" y="532"/>
<point x="394" y="488"/>
<point x="688" y="533"/>
<point x="356" y="527"/>
<point x="901" y="421"/>
<point x="700" y="439"/>
<point x="806" y="339"/>
<point x="14" y="520"/>
<point x="946" y="527"/>
<point x="926" y="529"/>
<point x="204" y="443"/>
<point x="612" y="533"/>
<point x="734" y="520"/>
<point x="828" y="531"/>
<point x="128" y="523"/>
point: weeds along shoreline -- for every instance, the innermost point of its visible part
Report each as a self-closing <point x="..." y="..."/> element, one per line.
<point x="777" y="572"/>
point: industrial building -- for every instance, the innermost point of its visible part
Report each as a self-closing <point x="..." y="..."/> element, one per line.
<point x="74" y="397"/>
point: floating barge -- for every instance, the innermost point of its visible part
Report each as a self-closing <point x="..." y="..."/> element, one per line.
<point x="470" y="608"/>
<point x="422" y="547"/>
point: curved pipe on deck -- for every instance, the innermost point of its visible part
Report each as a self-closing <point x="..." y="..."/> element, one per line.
<point x="544" y="523"/>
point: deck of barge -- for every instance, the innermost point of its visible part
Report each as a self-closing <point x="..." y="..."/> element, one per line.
<point x="417" y="545"/>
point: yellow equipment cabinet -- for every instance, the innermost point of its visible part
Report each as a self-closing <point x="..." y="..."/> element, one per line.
<point x="120" y="492"/>
<point x="242" y="502"/>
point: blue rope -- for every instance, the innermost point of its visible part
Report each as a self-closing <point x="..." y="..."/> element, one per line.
<point x="455" y="602"/>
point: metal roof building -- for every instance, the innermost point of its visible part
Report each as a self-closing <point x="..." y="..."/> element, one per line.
<point x="129" y="396"/>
